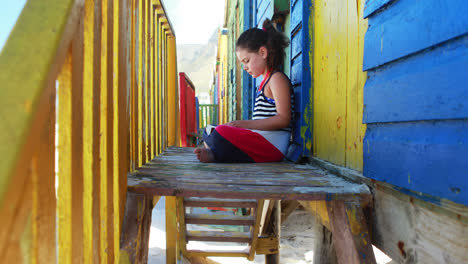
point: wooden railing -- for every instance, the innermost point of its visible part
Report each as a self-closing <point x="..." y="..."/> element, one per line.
<point x="82" y="85"/>
<point x="208" y="115"/>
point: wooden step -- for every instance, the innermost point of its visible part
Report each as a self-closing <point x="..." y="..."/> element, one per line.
<point x="211" y="202"/>
<point x="218" y="253"/>
<point x="241" y="237"/>
<point x="209" y="219"/>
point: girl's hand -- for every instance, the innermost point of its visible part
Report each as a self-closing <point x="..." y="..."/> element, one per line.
<point x="236" y="123"/>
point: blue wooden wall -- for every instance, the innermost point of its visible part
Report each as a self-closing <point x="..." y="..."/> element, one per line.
<point x="416" y="96"/>
<point x="247" y="80"/>
<point x="300" y="37"/>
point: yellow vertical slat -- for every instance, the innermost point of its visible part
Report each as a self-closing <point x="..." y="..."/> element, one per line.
<point x="77" y="145"/>
<point x="157" y="81"/>
<point x="355" y="83"/>
<point x="352" y="122"/>
<point x="103" y="148"/>
<point x="43" y="179"/>
<point x="151" y="78"/>
<point x="330" y="73"/>
<point x="139" y="87"/>
<point x="161" y="86"/>
<point x="172" y="98"/>
<point x="144" y="84"/>
<point x="171" y="230"/>
<point x="114" y="239"/>
<point x="158" y="89"/>
<point x="133" y="88"/>
<point x="166" y="91"/>
<point x="64" y="190"/>
<point x="87" y="104"/>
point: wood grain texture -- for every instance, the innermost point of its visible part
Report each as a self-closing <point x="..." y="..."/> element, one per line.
<point x="77" y="167"/>
<point x="350" y="237"/>
<point x="423" y="25"/>
<point x="177" y="173"/>
<point x="429" y="85"/>
<point x="330" y="81"/>
<point x="43" y="164"/>
<point x="135" y="229"/>
<point x="255" y="231"/>
<point x="372" y="6"/>
<point x="64" y="189"/>
<point x="407" y="226"/>
<point x="425" y="157"/>
<point x="171" y="230"/>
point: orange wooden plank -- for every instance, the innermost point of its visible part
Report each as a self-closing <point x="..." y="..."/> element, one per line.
<point x="77" y="145"/>
<point x="44" y="202"/>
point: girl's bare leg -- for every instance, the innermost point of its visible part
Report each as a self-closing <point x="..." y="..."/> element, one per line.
<point x="204" y="154"/>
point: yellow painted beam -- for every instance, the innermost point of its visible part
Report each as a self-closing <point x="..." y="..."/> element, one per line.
<point x="21" y="90"/>
<point x="172" y="93"/>
<point x="171" y="230"/>
<point x="104" y="146"/>
<point x="88" y="139"/>
<point x="64" y="190"/>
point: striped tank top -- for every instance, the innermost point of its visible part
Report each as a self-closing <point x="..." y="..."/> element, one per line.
<point x="266" y="107"/>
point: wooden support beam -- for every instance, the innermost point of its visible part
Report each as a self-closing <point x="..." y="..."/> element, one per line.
<point x="240" y="237"/>
<point x="210" y="219"/>
<point x="171" y="230"/>
<point x="210" y="202"/>
<point x="134" y="241"/>
<point x="287" y="207"/>
<point x="350" y="235"/>
<point x="258" y="217"/>
<point x="276" y="232"/>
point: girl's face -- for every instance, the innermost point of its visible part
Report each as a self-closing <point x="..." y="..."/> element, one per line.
<point x="253" y="62"/>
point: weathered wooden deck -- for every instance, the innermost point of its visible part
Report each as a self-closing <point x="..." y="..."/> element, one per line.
<point x="178" y="173"/>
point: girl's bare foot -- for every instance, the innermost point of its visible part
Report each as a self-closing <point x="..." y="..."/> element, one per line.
<point x="204" y="155"/>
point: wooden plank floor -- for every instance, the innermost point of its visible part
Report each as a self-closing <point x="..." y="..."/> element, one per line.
<point x="177" y="172"/>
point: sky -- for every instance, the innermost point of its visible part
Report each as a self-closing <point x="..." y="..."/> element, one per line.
<point x="194" y="21"/>
<point x="8" y="15"/>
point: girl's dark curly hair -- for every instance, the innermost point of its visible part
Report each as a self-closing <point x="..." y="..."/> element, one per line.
<point x="275" y="42"/>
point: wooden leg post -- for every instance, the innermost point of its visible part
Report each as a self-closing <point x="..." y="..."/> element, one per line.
<point x="350" y="235"/>
<point x="136" y="228"/>
<point x="276" y="231"/>
<point x="171" y="230"/>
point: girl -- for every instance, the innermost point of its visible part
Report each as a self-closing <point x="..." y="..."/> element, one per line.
<point x="265" y="138"/>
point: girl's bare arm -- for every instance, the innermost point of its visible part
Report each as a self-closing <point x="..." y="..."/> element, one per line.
<point x="280" y="92"/>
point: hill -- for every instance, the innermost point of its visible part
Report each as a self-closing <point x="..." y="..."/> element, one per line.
<point x="198" y="62"/>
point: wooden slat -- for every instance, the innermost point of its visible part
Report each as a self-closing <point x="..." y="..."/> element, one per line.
<point x="210" y="202"/>
<point x="121" y="127"/>
<point x="107" y="123"/>
<point x="267" y="245"/>
<point x="77" y="145"/>
<point x="350" y="235"/>
<point x="255" y="230"/>
<point x="64" y="188"/>
<point x="88" y="108"/>
<point x="135" y="228"/>
<point x="182" y="225"/>
<point x="43" y="185"/>
<point x="218" y="236"/>
<point x="24" y="107"/>
<point x="210" y="219"/>
<point x="177" y="172"/>
<point x="171" y="230"/>
<point x="206" y="253"/>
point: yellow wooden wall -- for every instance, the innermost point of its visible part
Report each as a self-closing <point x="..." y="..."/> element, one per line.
<point x="222" y="60"/>
<point x="83" y="84"/>
<point x="338" y="81"/>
